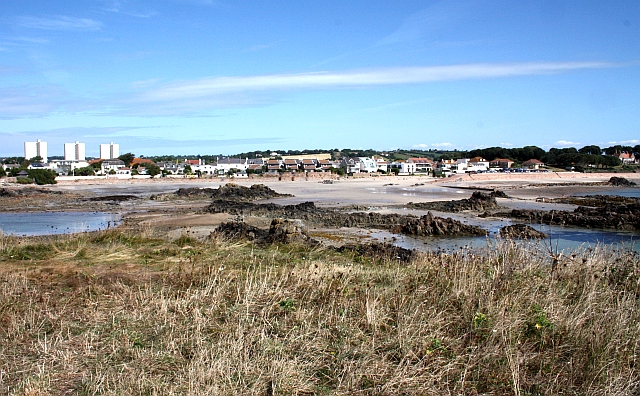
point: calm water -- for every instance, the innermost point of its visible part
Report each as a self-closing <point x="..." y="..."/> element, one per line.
<point x="560" y="238"/>
<point x="48" y="223"/>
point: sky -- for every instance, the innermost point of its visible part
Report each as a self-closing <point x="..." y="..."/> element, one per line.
<point x="222" y="77"/>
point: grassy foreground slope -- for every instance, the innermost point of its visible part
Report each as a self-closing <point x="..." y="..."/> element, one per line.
<point x="127" y="312"/>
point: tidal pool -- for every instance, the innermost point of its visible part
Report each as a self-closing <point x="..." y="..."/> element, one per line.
<point x="49" y="223"/>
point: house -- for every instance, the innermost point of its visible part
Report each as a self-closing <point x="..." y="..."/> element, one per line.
<point x="204" y="169"/>
<point x="173" y="168"/>
<point x="367" y="165"/>
<point x="111" y="165"/>
<point x="351" y="165"/>
<point x="193" y="162"/>
<point x="383" y="166"/>
<point x="255" y="168"/>
<point x="326" y="165"/>
<point x="274" y="165"/>
<point x="533" y="164"/>
<point x="309" y="165"/>
<point x="140" y="162"/>
<point x="503" y="163"/>
<point x="627" y="158"/>
<point x="478" y="164"/>
<point x="423" y="165"/>
<point x="291" y="164"/>
<point x="225" y="164"/>
<point x="123" y="172"/>
<point x="404" y="167"/>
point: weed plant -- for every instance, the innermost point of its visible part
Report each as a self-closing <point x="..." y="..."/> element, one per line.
<point x="127" y="312"/>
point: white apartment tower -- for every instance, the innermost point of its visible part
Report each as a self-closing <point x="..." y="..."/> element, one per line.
<point x="109" y="151"/>
<point x="74" y="151"/>
<point x="35" y="149"/>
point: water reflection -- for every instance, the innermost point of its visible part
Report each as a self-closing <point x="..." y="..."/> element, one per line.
<point x="49" y="223"/>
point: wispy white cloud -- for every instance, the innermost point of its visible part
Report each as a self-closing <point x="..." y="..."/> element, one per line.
<point x="215" y="86"/>
<point x="432" y="145"/>
<point x="567" y="143"/>
<point x="625" y="142"/>
<point x="59" y="22"/>
<point x="429" y="20"/>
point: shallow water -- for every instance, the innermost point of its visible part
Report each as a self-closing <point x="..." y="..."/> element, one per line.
<point x="560" y="239"/>
<point x="49" y="223"/>
<point x="631" y="192"/>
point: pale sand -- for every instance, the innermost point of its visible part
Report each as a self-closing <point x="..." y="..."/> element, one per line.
<point x="375" y="191"/>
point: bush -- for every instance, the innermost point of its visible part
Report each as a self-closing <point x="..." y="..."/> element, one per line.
<point x="43" y="176"/>
<point x="24" y="180"/>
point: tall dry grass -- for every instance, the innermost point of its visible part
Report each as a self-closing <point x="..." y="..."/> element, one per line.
<point x="119" y="313"/>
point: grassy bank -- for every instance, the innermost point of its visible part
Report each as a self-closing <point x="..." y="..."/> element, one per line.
<point x="128" y="312"/>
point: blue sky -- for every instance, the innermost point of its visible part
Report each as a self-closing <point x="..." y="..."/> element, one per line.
<point x="209" y="77"/>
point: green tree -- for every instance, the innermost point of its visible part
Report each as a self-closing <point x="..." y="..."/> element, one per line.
<point x="188" y="170"/>
<point x="593" y="149"/>
<point x="2" y="172"/>
<point x="37" y="158"/>
<point x="153" y="170"/>
<point x="86" y="171"/>
<point x="42" y="176"/>
<point x="127" y="158"/>
<point x="97" y="165"/>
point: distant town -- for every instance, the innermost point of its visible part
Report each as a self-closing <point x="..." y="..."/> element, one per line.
<point x="437" y="163"/>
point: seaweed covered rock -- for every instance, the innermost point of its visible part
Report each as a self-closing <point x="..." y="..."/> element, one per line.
<point x="521" y="231"/>
<point x="232" y="191"/>
<point x="479" y="201"/>
<point x="379" y="251"/>
<point x="239" y="230"/>
<point x="286" y="231"/>
<point x="431" y="225"/>
<point x="621" y="182"/>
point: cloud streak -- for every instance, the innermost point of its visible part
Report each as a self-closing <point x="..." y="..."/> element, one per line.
<point x="59" y="22"/>
<point x="216" y="86"/>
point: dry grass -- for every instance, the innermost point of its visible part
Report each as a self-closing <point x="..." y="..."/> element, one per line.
<point x="120" y="312"/>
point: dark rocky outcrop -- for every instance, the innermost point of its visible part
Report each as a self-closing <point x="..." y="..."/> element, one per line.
<point x="479" y="201"/>
<point x="521" y="231"/>
<point x="280" y="231"/>
<point x="232" y="191"/>
<point x="621" y="182"/>
<point x="431" y="225"/>
<point x="112" y="198"/>
<point x="307" y="211"/>
<point x="26" y="192"/>
<point x="380" y="251"/>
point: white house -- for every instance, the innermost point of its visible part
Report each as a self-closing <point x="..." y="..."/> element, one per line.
<point x="368" y="165"/>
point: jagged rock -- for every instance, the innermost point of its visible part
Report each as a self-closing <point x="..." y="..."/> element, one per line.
<point x="286" y="231"/>
<point x="232" y="191"/>
<point x="430" y="225"/>
<point x="381" y="251"/>
<point x="239" y="230"/>
<point x="621" y="182"/>
<point x="521" y="231"/>
<point x="478" y="201"/>
<point x="307" y="211"/>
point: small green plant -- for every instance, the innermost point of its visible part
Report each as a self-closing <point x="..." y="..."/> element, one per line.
<point x="287" y="305"/>
<point x="538" y="323"/>
<point x="480" y="320"/>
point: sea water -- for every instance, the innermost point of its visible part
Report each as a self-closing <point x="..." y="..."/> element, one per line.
<point x="49" y="223"/>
